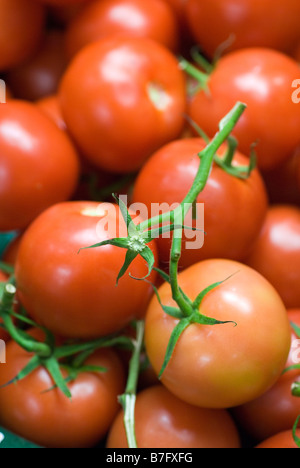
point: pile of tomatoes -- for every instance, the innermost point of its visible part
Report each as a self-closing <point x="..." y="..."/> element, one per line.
<point x="122" y="96"/>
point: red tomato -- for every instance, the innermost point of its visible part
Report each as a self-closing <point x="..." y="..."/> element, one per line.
<point x="258" y="23"/>
<point x="283" y="183"/>
<point x="221" y="366"/>
<point x="75" y="294"/>
<point x="276" y="253"/>
<point x="38" y="164"/>
<point x="39" y="76"/>
<point x="49" y="418"/>
<point x="234" y="209"/>
<point x="59" y="2"/>
<point x="50" y="105"/>
<point x="3" y="335"/>
<point x="276" y="410"/>
<point x="122" y="99"/>
<point x="284" y="440"/>
<point x="164" y="421"/>
<point x="136" y="18"/>
<point x="18" y="40"/>
<point x="262" y="79"/>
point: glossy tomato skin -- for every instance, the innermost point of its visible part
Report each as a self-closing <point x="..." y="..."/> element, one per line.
<point x="276" y="410"/>
<point x="214" y="21"/>
<point x="40" y="75"/>
<point x="262" y="79"/>
<point x="31" y="144"/>
<point x="74" y="294"/>
<point x="234" y="209"/>
<point x="221" y="366"/>
<point x="284" y="440"/>
<point x="50" y="105"/>
<point x="137" y="18"/>
<point x="283" y="183"/>
<point x="18" y="41"/>
<point x="122" y="99"/>
<point x="276" y="253"/>
<point x="164" y="421"/>
<point x="56" y="421"/>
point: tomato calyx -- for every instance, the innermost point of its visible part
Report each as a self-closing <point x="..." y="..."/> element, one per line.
<point x="191" y="315"/>
<point x="46" y="353"/>
<point x="136" y="242"/>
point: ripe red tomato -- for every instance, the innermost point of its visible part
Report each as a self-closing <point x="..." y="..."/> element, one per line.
<point x="136" y="18"/>
<point x="38" y="164"/>
<point x="122" y="99"/>
<point x="221" y="366"/>
<point x="284" y="440"/>
<point x="49" y="418"/>
<point x="162" y="420"/>
<point x="50" y="105"/>
<point x="59" y="2"/>
<point x="276" y="253"/>
<point x="234" y="209"/>
<point x="252" y="23"/>
<point x="283" y="183"/>
<point x="3" y="335"/>
<point x="276" y="410"/>
<point x="75" y="294"/>
<point x="262" y="79"/>
<point x="39" y="76"/>
<point x="18" y="40"/>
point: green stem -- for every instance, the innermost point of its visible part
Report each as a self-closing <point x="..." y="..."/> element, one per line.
<point x="207" y="158"/>
<point x="6" y="305"/>
<point x="128" y="399"/>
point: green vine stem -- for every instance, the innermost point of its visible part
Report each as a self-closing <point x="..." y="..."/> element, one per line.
<point x="128" y="399"/>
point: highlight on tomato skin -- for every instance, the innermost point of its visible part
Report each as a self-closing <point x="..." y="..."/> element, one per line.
<point x="162" y="420"/>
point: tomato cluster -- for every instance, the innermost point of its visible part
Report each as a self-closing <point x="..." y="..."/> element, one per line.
<point x="117" y="116"/>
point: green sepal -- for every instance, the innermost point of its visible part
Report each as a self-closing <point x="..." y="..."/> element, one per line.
<point x="52" y="366"/>
<point x="296" y="329"/>
<point x="130" y="256"/>
<point x="121" y="242"/>
<point x="176" y="333"/>
<point x="147" y="255"/>
<point x="167" y="278"/>
<point x="131" y="227"/>
<point x="31" y="366"/>
<point x="291" y="368"/>
<point x="204" y="320"/>
<point x="295" y="437"/>
<point x="197" y="302"/>
<point x="296" y="389"/>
